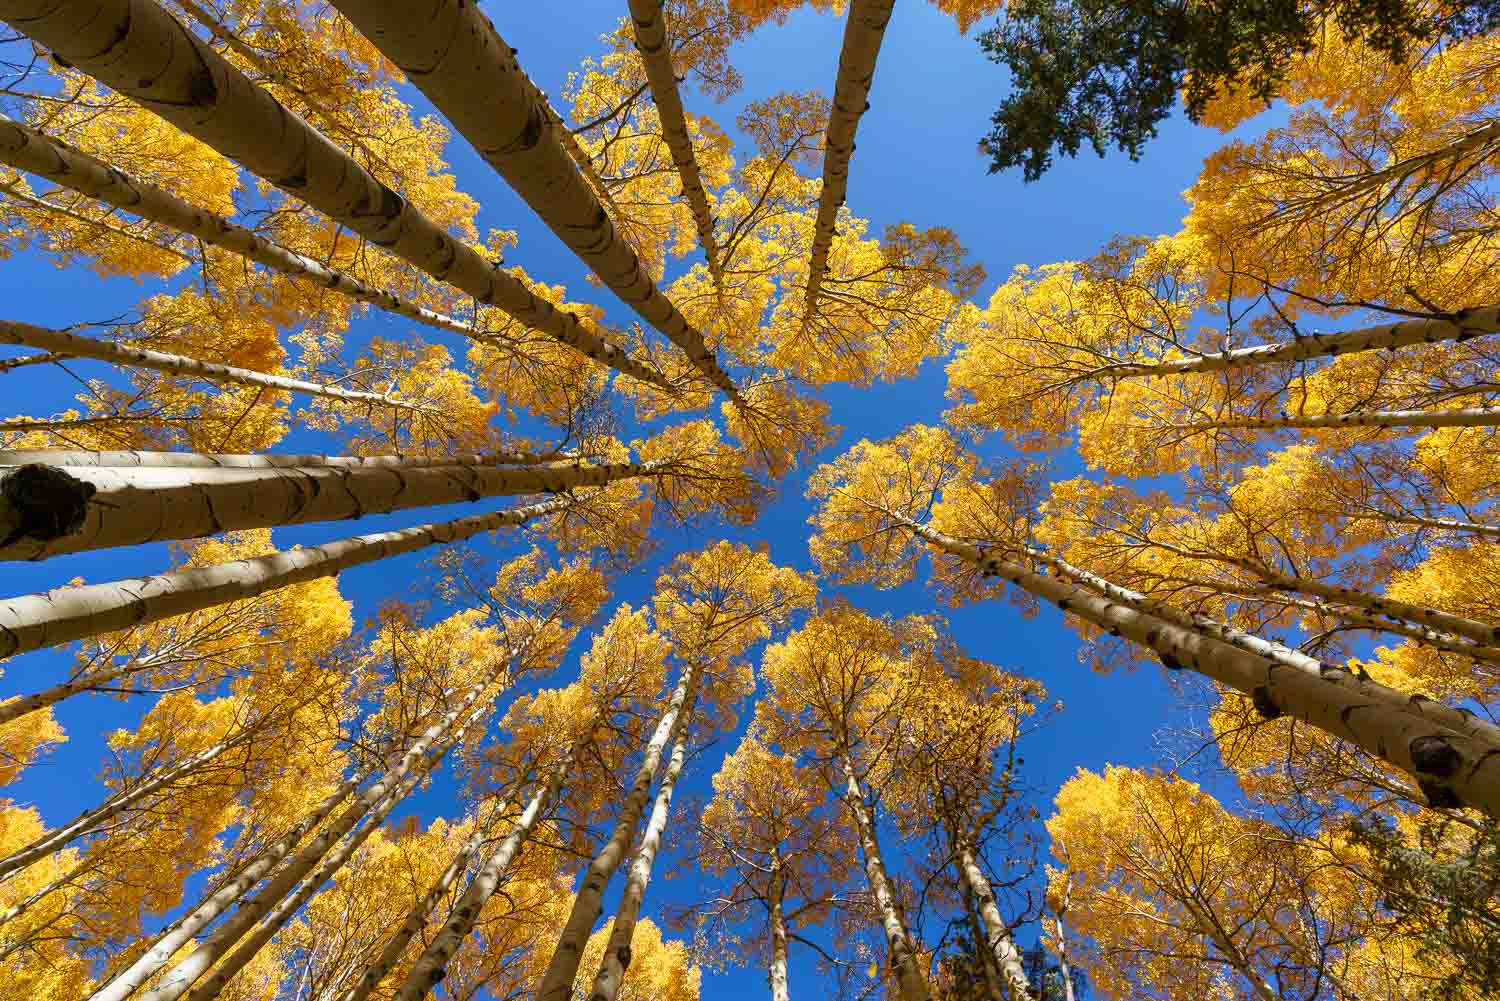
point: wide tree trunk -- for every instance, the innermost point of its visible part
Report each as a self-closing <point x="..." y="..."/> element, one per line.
<point x="903" y="960"/>
<point x="249" y="912"/>
<point x="453" y="54"/>
<point x="432" y="965"/>
<point x="863" y="32"/>
<point x="998" y="942"/>
<point x="138" y="49"/>
<point x="129" y="506"/>
<point x="656" y="55"/>
<point x="1472" y="417"/>
<point x="62" y="342"/>
<point x="270" y="460"/>
<point x="1461" y="326"/>
<point x="612" y="969"/>
<point x="221" y="899"/>
<point x="562" y="969"/>
<point x="1451" y="768"/>
<point x="37" y="153"/>
<point x="34" y="621"/>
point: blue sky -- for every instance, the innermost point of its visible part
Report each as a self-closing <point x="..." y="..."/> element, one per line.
<point x="916" y="161"/>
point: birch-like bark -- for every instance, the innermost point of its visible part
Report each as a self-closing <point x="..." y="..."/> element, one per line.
<point x="1461" y="326"/>
<point x="271" y="460"/>
<point x="570" y="143"/>
<point x="37" y="153"/>
<point x="432" y="965"/>
<point x="34" y="621"/>
<point x="140" y="50"/>
<point x="18" y="707"/>
<point x="1445" y="524"/>
<point x="986" y="959"/>
<point x="656" y="55"/>
<point x="211" y="949"/>
<point x="780" y="989"/>
<point x="1480" y="632"/>
<point x="562" y="969"/>
<point x="97" y="224"/>
<point x="998" y="942"/>
<point x="903" y="960"/>
<point x="452" y="53"/>
<point x="616" y="961"/>
<point x="220" y="900"/>
<point x="863" y="32"/>
<point x="133" y="505"/>
<point x="1451" y="769"/>
<point x="1465" y="418"/>
<point x="25" y="904"/>
<point x="93" y="819"/>
<point x="76" y="345"/>
<point x="286" y="908"/>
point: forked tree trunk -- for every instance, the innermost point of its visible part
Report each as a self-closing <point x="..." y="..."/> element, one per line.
<point x="34" y="621"/>
<point x="1472" y="417"/>
<point x="141" y="51"/>
<point x="453" y="54"/>
<point x="1450" y="768"/>
<point x="616" y="961"/>
<point x="863" y="32"/>
<point x="562" y="969"/>
<point x="997" y="939"/>
<point x="656" y="55"/>
<point x="37" y="153"/>
<point x="62" y="342"/>
<point x="128" y="506"/>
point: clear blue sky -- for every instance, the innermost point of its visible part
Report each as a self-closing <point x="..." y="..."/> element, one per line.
<point x="917" y="162"/>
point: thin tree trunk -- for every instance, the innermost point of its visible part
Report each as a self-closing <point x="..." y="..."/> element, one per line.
<point x="249" y="912"/>
<point x="616" y="961"/>
<point x="998" y="942"/>
<point x="22" y="705"/>
<point x="128" y="506"/>
<point x="34" y="621"/>
<point x="1233" y="955"/>
<point x="98" y="224"/>
<point x="1451" y="769"/>
<point x="656" y="55"/>
<point x="220" y="900"/>
<point x="91" y="820"/>
<point x="863" y="32"/>
<point x="64" y="343"/>
<point x="25" y="904"/>
<point x="11" y="364"/>
<point x="1480" y="632"/>
<point x="902" y="957"/>
<point x="165" y="68"/>
<point x="993" y="988"/>
<point x="37" y="153"/>
<point x="1473" y="417"/>
<point x="1446" y="524"/>
<point x="453" y="54"/>
<point x="432" y="965"/>
<point x="780" y="991"/>
<point x="1461" y="326"/>
<point x="562" y="969"/>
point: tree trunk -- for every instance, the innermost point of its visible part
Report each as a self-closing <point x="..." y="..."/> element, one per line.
<point x="1480" y="632"/>
<point x="780" y="991"/>
<point x="1445" y="524"/>
<point x="25" y="704"/>
<point x="34" y="621"/>
<point x="863" y="32"/>
<point x="1451" y="769"/>
<point x="91" y="820"/>
<point x="611" y="975"/>
<point x="1461" y="326"/>
<point x="993" y="989"/>
<point x="902" y="957"/>
<point x="64" y="343"/>
<point x="562" y="969"/>
<point x="272" y="460"/>
<point x="656" y="55"/>
<point x="432" y="965"/>
<point x="129" y="506"/>
<point x="249" y="912"/>
<point x="452" y="53"/>
<point x="37" y="153"/>
<point x="998" y="942"/>
<point x="1473" y="417"/>
<point x="1233" y="955"/>
<point x="220" y="900"/>
<point x="141" y="51"/>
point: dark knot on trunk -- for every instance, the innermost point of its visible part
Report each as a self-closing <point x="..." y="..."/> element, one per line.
<point x="1439" y="796"/>
<point x="43" y="503"/>
<point x="1264" y="704"/>
<point x="1435" y="756"/>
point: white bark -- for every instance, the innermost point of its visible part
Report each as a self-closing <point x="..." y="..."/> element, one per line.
<point x="141" y="51"/>
<point x="780" y="989"/>
<point x="1446" y="524"/>
<point x="211" y="949"/>
<point x="132" y="505"/>
<point x="1472" y="417"/>
<point x="37" y="153"/>
<point x="562" y="969"/>
<point x="1450" y="767"/>
<point x="65" y="343"/>
<point x="997" y="936"/>
<point x="272" y="460"/>
<point x="1480" y="632"/>
<point x="452" y="53"/>
<point x="34" y="621"/>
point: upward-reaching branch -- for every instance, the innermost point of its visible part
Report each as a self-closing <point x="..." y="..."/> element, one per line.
<point x="452" y="52"/>
<point x="851" y="97"/>
<point x="140" y="50"/>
